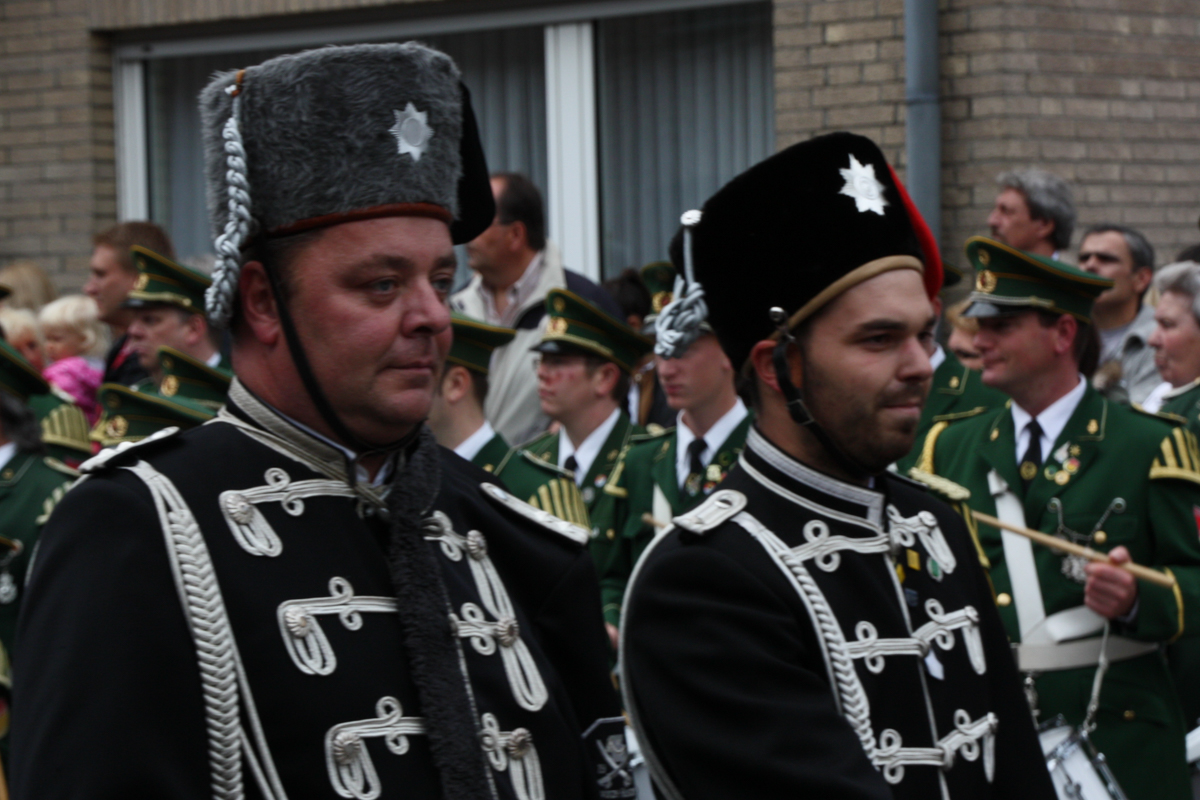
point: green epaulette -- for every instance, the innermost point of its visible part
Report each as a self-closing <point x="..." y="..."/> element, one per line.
<point x="58" y="466"/>
<point x="1174" y="419"/>
<point x="957" y="415"/>
<point x="939" y="485"/>
<point x="653" y="432"/>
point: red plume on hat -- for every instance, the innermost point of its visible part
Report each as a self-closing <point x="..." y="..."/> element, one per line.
<point x="930" y="254"/>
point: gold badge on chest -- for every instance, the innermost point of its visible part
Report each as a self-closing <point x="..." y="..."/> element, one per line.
<point x="1028" y="470"/>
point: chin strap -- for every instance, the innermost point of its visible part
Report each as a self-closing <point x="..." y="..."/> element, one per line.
<point x="796" y="406"/>
<point x="300" y="359"/>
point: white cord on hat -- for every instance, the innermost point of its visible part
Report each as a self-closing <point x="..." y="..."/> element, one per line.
<point x="220" y="296"/>
<point x="678" y="324"/>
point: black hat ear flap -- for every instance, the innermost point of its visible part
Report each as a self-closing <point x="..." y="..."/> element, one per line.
<point x="783" y="374"/>
<point x="476" y="205"/>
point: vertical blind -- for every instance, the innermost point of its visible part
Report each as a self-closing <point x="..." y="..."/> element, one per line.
<point x="686" y="102"/>
<point x="505" y="71"/>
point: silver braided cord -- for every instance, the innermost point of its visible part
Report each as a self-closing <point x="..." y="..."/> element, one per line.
<point x="678" y="324"/>
<point x="205" y="611"/>
<point x="220" y="296"/>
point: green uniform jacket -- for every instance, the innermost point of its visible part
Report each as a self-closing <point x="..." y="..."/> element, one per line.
<point x="30" y="486"/>
<point x="955" y="390"/>
<point x="1105" y="452"/>
<point x="491" y="454"/>
<point x="651" y="479"/>
<point x="531" y="471"/>
<point x="1184" y="655"/>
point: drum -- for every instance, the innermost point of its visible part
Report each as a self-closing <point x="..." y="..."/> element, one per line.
<point x="1077" y="770"/>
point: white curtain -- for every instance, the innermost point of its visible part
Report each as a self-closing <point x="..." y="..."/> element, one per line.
<point x="686" y="102"/>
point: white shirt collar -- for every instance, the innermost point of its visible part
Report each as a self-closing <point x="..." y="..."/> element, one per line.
<point x="470" y="447"/>
<point x="214" y="359"/>
<point x="714" y="437"/>
<point x="587" y="451"/>
<point x="1052" y="420"/>
<point x="361" y="475"/>
<point x="7" y="451"/>
<point x="518" y="293"/>
<point x="939" y="355"/>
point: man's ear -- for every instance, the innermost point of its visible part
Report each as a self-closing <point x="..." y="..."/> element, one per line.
<point x="762" y="358"/>
<point x="1066" y="328"/>
<point x="606" y="379"/>
<point x="257" y="300"/>
<point x="456" y="384"/>
<point x="1142" y="276"/>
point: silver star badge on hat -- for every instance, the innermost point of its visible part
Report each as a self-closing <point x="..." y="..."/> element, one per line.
<point x="863" y="186"/>
<point x="412" y="131"/>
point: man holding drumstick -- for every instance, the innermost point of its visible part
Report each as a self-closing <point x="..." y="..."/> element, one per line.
<point x="1063" y="460"/>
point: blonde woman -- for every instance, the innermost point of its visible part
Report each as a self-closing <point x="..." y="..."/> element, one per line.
<point x="75" y="342"/>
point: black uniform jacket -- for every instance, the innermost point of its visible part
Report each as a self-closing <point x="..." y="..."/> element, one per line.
<point x="279" y="667"/>
<point x="791" y="638"/>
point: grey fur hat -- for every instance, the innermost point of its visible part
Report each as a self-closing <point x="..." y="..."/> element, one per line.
<point x="334" y="135"/>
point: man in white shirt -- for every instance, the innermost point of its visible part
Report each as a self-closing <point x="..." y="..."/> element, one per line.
<point x="1125" y="323"/>
<point x="515" y="266"/>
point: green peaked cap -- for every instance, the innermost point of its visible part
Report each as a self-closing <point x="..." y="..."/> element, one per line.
<point x="1007" y="279"/>
<point x="659" y="277"/>
<point x="577" y="326"/>
<point x="130" y="415"/>
<point x="17" y="376"/>
<point x="161" y="280"/>
<point x="474" y="342"/>
<point x="189" y="381"/>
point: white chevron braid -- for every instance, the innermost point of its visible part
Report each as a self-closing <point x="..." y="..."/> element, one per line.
<point x="849" y="692"/>
<point x="205" y="613"/>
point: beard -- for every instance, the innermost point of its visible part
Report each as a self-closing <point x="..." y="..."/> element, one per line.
<point x="858" y="424"/>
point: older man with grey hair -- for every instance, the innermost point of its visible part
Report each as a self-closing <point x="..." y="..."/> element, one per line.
<point x="1033" y="212"/>
<point x="1126" y="372"/>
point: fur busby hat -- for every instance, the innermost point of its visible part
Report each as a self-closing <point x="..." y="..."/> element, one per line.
<point x="335" y="135"/>
<point x="797" y="230"/>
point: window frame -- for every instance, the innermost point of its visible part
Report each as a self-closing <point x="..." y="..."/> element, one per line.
<point x="573" y="210"/>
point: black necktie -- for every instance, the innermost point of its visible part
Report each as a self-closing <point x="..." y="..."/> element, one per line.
<point x="1033" y="455"/>
<point x="571" y="464"/>
<point x="691" y="485"/>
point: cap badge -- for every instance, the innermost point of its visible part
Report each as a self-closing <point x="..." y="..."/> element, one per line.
<point x="560" y="305"/>
<point x="116" y="427"/>
<point x="985" y="281"/>
<point x="557" y="326"/>
<point x="863" y="186"/>
<point x="412" y="131"/>
<point x="142" y="280"/>
<point x="169" y="387"/>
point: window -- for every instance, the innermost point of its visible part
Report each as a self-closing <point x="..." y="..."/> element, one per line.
<point x="624" y="120"/>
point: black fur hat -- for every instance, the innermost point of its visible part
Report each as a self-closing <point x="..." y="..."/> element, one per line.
<point x="797" y="230"/>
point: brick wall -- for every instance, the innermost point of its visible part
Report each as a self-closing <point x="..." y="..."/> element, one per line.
<point x="56" y="136"/>
<point x="1105" y="93"/>
<point x="839" y="65"/>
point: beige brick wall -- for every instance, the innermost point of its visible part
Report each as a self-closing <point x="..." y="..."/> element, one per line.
<point x="56" y="136"/>
<point x="839" y="65"/>
<point x="129" y="14"/>
<point x="1105" y="93"/>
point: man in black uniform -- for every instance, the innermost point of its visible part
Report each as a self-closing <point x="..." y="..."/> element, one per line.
<point x="820" y="627"/>
<point x="307" y="596"/>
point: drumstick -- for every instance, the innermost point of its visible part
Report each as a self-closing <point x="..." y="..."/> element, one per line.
<point x="649" y="519"/>
<point x="1137" y="570"/>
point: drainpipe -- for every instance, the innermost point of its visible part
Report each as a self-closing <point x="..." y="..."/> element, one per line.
<point x="923" y="122"/>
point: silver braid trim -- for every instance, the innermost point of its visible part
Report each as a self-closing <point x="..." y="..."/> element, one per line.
<point x="849" y="694"/>
<point x="238" y="225"/>
<point x="678" y="324"/>
<point x="204" y="610"/>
